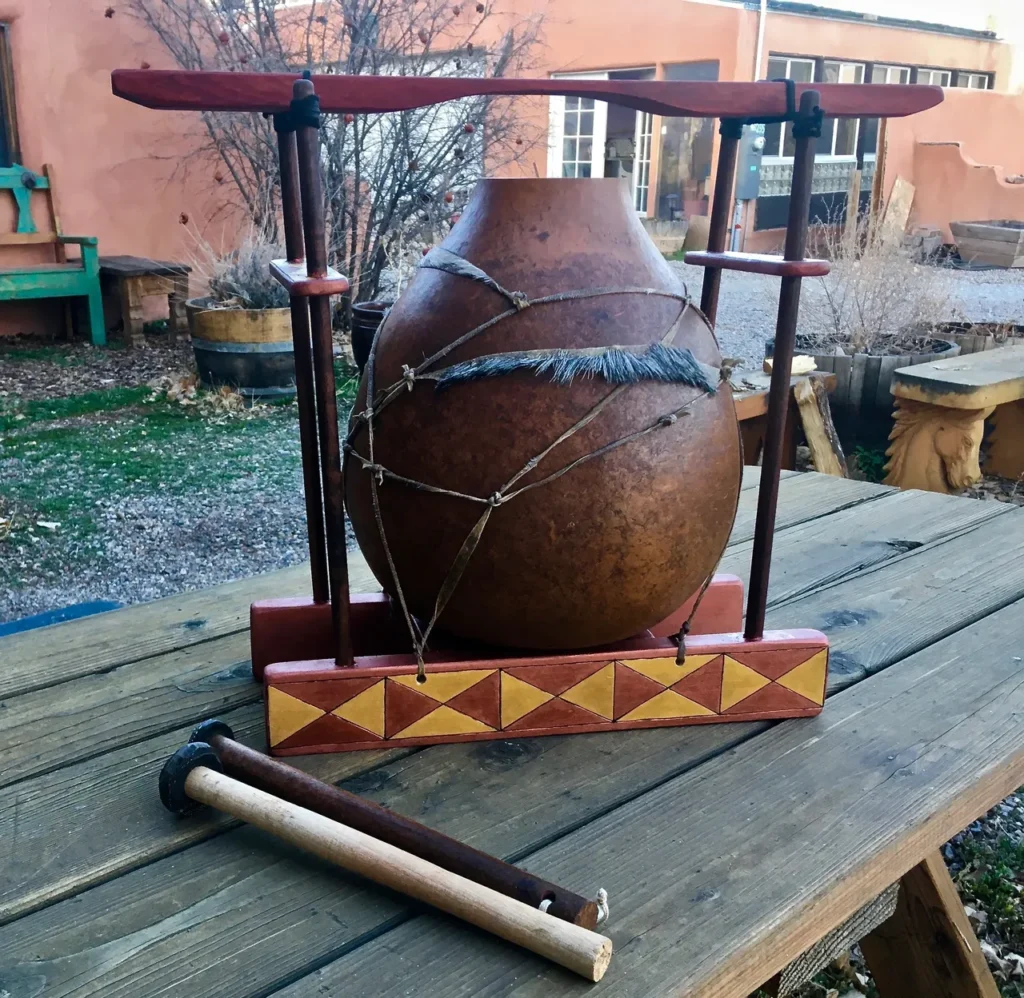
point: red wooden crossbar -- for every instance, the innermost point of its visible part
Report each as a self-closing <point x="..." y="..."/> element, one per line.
<point x="180" y="90"/>
<point x="759" y="263"/>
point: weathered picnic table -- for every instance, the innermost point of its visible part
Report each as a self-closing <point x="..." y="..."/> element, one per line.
<point x="727" y="850"/>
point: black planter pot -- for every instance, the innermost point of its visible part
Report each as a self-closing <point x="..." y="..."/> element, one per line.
<point x="366" y="319"/>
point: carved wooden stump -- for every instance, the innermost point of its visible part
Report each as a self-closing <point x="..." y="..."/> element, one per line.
<point x="934" y="448"/>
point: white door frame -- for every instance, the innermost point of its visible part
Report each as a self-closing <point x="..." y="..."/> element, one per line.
<point x="556" y="127"/>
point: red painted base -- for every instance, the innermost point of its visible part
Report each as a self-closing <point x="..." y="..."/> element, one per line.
<point x="472" y="693"/>
<point x="294" y="629"/>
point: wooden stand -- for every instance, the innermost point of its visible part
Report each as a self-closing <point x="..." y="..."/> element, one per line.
<point x="365" y="692"/>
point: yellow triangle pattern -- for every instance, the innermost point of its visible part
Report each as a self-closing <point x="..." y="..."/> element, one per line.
<point x="286" y="715"/>
<point x="668" y="703"/>
<point x="595" y="693"/>
<point x="518" y="698"/>
<point x="442" y="686"/>
<point x="665" y="670"/>
<point x="738" y="682"/>
<point x="808" y="678"/>
<point x="366" y="709"/>
<point x="443" y="721"/>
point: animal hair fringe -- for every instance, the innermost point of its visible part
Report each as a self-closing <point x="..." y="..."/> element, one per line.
<point x="615" y="365"/>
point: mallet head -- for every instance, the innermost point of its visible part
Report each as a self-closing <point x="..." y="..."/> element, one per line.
<point x="176" y="770"/>
<point x="206" y="730"/>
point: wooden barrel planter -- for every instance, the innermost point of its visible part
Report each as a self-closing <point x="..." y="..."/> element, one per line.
<point x="249" y="350"/>
<point x="974" y="337"/>
<point x="861" y="402"/>
<point x="366" y="319"/>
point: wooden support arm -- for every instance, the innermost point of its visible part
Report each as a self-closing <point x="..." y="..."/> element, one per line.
<point x="759" y="263"/>
<point x="294" y="277"/>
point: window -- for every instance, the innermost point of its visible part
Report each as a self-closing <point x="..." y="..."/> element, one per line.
<point x="890" y="74"/>
<point x="973" y="81"/>
<point x="779" y="142"/>
<point x="934" y="77"/>
<point x="578" y="137"/>
<point x="642" y="165"/>
<point x="10" y="151"/>
<point x="839" y="135"/>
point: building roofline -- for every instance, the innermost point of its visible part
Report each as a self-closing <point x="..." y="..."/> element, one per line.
<point x="881" y="20"/>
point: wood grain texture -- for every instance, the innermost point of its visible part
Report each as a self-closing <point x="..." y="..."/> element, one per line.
<point x="209" y="920"/>
<point x="819" y="431"/>
<point x="270" y="92"/>
<point x="911" y="602"/>
<point x="988" y="378"/>
<point x="61" y="652"/>
<point x="831" y="549"/>
<point x="927" y="949"/>
<point x="758" y="263"/>
<point x="860" y="795"/>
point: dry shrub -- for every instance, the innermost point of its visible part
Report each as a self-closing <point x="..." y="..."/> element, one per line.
<point x="240" y="278"/>
<point x="878" y="298"/>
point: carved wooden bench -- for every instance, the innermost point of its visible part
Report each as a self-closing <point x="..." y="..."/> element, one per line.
<point x="63" y="278"/>
<point x="939" y="420"/>
<point x="137" y="278"/>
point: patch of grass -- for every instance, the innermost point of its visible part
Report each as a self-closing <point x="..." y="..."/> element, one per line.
<point x="679" y="256"/>
<point x="14" y="413"/>
<point x="870" y="463"/>
<point x="46" y="355"/>
<point x="992" y="879"/>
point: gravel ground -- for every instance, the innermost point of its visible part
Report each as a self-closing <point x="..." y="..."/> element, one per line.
<point x="748" y="303"/>
<point x="204" y="514"/>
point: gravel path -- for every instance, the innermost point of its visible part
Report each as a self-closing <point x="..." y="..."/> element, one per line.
<point x="748" y="303"/>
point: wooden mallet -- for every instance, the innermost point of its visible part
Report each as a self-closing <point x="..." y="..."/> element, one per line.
<point x="296" y="787"/>
<point x="194" y="774"/>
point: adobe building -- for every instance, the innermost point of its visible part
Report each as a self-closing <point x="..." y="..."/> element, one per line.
<point x="129" y="175"/>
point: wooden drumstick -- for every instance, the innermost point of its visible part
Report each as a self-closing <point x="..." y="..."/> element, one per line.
<point x="193" y="773"/>
<point x="297" y="787"/>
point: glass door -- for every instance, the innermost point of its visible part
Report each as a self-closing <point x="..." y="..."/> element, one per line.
<point x="577" y="130"/>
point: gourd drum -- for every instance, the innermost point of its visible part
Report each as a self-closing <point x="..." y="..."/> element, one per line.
<point x="634" y="483"/>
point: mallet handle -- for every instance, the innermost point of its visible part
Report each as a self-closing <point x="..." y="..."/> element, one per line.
<point x="578" y="949"/>
<point x="300" y="788"/>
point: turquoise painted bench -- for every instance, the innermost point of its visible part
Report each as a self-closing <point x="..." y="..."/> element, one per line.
<point x="64" y="278"/>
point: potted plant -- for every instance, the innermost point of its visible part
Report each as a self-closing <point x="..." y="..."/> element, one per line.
<point x="241" y="329"/>
<point x="878" y="310"/>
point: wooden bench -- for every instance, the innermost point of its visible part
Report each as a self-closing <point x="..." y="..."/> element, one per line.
<point x="939" y="421"/>
<point x="63" y="278"/>
<point x="137" y="278"/>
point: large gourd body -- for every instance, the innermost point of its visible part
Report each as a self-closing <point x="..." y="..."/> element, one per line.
<point x="618" y="542"/>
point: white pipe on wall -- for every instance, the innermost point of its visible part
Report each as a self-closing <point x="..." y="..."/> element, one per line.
<point x="762" y="16"/>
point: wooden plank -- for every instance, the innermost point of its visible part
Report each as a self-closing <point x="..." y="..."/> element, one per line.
<point x="719" y="878"/>
<point x="104" y="710"/>
<point x="886" y="367"/>
<point x="928" y="949"/>
<point x="843" y="370"/>
<point x="872" y="367"/>
<point x="980" y="380"/>
<point x="505" y="797"/>
<point x="912" y="602"/>
<point x="269" y="92"/>
<point x="858" y="370"/>
<point x="899" y="205"/>
<point x="113" y="795"/>
<point x="56" y="654"/>
<point x="897" y="524"/>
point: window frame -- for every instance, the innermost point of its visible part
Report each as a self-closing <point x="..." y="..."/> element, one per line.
<point x="8" y="103"/>
<point x="780" y="156"/>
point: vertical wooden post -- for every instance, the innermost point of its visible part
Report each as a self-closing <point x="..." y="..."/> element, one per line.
<point x="782" y="362"/>
<point x="928" y="949"/>
<point x="307" y="139"/>
<point x="305" y="392"/>
<point x="721" y="213"/>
